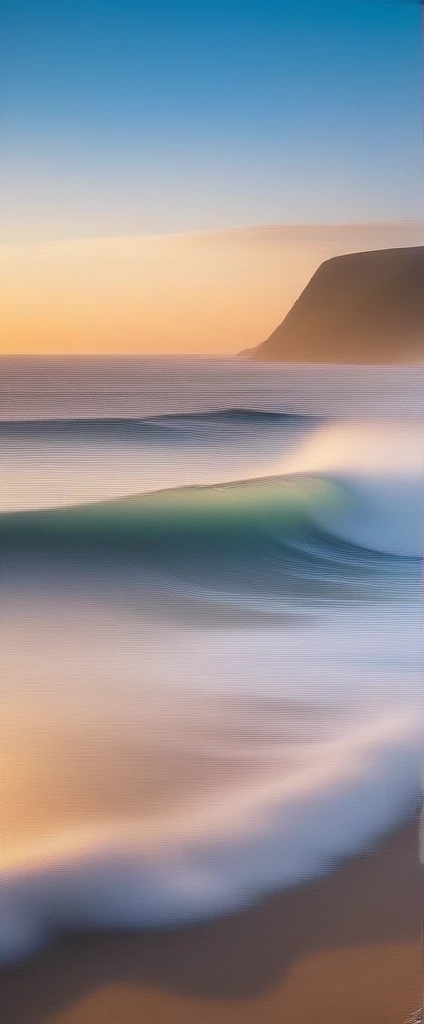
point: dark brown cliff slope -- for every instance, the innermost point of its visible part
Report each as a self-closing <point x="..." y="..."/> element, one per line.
<point x="362" y="308"/>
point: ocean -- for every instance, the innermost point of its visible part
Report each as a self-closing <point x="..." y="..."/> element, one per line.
<point x="211" y="630"/>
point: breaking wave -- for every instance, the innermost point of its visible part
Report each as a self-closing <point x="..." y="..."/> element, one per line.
<point x="332" y="526"/>
<point x="223" y="852"/>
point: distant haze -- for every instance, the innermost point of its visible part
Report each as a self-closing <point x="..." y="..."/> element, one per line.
<point x="210" y="293"/>
<point x="363" y="308"/>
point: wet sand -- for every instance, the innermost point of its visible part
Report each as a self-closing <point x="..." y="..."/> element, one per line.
<point x="343" y="950"/>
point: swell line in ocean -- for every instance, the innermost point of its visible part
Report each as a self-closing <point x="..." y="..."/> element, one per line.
<point x="213" y="659"/>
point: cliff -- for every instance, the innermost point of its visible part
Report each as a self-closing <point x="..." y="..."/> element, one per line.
<point x="362" y="308"/>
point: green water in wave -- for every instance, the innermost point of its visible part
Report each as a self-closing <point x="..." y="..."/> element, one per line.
<point x="273" y="506"/>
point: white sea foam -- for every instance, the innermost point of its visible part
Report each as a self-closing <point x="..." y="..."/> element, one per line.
<point x="303" y="736"/>
<point x="380" y="466"/>
<point x="330" y="763"/>
<point x="224" y="851"/>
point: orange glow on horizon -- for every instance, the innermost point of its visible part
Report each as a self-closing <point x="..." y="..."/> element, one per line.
<point x="210" y="294"/>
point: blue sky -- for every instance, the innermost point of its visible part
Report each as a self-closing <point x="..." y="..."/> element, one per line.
<point x="132" y="118"/>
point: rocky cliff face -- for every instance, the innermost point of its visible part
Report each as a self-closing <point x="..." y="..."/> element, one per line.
<point x="362" y="308"/>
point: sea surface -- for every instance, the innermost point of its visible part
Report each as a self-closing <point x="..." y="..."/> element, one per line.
<point x="211" y="630"/>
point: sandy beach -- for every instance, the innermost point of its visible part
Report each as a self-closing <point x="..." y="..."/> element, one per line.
<point x="343" y="950"/>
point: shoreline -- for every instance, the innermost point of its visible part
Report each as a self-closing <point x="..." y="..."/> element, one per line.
<point x="345" y="949"/>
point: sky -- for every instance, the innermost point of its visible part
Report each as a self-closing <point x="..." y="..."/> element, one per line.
<point x="126" y="121"/>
